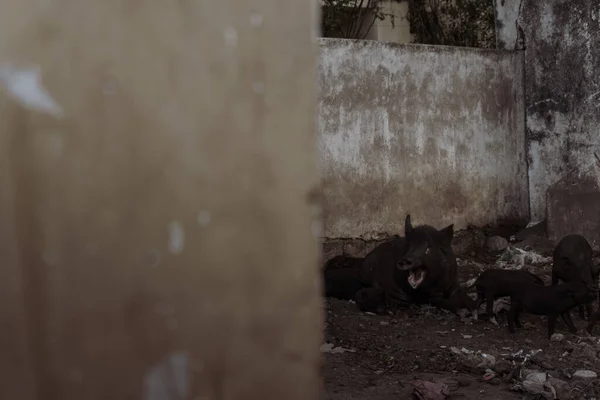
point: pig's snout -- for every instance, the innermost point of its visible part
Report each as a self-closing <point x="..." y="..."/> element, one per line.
<point x="404" y="263"/>
<point x="407" y="263"/>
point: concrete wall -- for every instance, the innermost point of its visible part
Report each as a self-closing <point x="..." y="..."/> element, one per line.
<point x="562" y="61"/>
<point x="437" y="132"/>
<point x="159" y="235"/>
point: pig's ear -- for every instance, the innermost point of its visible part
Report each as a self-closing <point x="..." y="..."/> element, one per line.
<point x="447" y="234"/>
<point x="408" y="228"/>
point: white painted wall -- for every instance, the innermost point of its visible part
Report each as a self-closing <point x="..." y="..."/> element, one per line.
<point x="434" y="131"/>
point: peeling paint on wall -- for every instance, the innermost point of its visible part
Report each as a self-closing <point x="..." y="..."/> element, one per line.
<point x="434" y="131"/>
<point x="562" y="66"/>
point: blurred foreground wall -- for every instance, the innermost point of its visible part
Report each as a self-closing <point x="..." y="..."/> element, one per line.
<point x="158" y="205"/>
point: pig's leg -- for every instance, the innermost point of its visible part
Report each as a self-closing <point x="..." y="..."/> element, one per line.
<point x="478" y="303"/>
<point x="593" y="319"/>
<point x="589" y="307"/>
<point x="489" y="308"/>
<point x="517" y="320"/>
<point x="581" y="311"/>
<point x="551" y="324"/>
<point x="512" y="316"/>
<point x="554" y="279"/>
<point x="568" y="321"/>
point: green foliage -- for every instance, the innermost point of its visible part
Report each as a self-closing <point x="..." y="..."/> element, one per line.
<point x="351" y="19"/>
<point x="469" y="23"/>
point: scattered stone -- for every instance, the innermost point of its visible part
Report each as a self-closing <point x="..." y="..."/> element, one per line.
<point x="329" y="348"/>
<point x="502" y="367"/>
<point x="562" y="388"/>
<point x="541" y="360"/>
<point x="532" y="387"/>
<point x="539" y="377"/>
<point x="451" y="383"/>
<point x="467" y="336"/>
<point x="585" y="375"/>
<point x="557" y="337"/>
<point x="584" y="350"/>
<point x="496" y="243"/>
<point x="488" y="361"/>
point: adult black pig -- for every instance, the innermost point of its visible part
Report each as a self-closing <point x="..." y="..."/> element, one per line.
<point x="342" y="278"/>
<point x="572" y="262"/>
<point x="379" y="270"/>
<point x="427" y="269"/>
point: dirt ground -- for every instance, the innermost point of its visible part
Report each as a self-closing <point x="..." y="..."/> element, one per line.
<point x="376" y="356"/>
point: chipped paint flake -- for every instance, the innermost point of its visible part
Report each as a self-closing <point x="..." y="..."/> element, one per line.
<point x="176" y="237"/>
<point x="25" y="87"/>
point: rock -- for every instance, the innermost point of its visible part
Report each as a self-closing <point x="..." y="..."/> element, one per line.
<point x="585" y="375"/>
<point x="526" y="372"/>
<point x="451" y="383"/>
<point x="496" y="244"/>
<point x="584" y="350"/>
<point x="562" y="388"/>
<point x="472" y="362"/>
<point x="533" y="387"/>
<point x="538" y="377"/>
<point x="487" y="361"/>
<point x="570" y="347"/>
<point x="502" y="367"/>
<point x="557" y="337"/>
<point x="541" y="360"/>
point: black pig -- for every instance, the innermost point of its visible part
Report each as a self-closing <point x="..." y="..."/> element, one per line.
<point x="427" y="270"/>
<point x="379" y="270"/>
<point x="371" y="299"/>
<point x="573" y="263"/>
<point x="341" y="261"/>
<point x="494" y="283"/>
<point x="550" y="301"/>
<point x="342" y="283"/>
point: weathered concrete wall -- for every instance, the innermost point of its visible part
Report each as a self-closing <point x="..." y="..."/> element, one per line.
<point x="437" y="132"/>
<point x="507" y="23"/>
<point x="158" y="236"/>
<point x="561" y="40"/>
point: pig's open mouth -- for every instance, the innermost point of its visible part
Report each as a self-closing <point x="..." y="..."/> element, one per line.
<point x="416" y="277"/>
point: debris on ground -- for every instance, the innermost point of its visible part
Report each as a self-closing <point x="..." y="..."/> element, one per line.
<point x="516" y="258"/>
<point x="557" y="337"/>
<point x="427" y="390"/>
<point x="496" y="244"/>
<point x="384" y="354"/>
<point x="585" y="375"/>
<point x="329" y="348"/>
